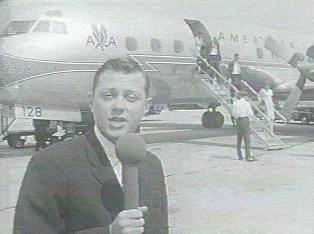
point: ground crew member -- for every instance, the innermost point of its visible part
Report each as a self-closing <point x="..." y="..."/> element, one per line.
<point x="41" y="133"/>
<point x="242" y="111"/>
<point x="266" y="96"/>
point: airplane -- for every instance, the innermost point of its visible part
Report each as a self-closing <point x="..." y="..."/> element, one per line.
<point x="50" y="50"/>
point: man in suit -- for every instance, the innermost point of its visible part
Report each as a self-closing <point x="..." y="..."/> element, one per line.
<point x="235" y="71"/>
<point x="76" y="187"/>
<point x="41" y="133"/>
<point x="214" y="58"/>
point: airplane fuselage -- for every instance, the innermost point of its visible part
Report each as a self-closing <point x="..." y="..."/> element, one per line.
<point x="52" y="64"/>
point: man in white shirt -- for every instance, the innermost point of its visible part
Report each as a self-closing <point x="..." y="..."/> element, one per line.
<point x="242" y="111"/>
<point x="235" y="72"/>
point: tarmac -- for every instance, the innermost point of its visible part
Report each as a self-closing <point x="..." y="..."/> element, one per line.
<point x="209" y="190"/>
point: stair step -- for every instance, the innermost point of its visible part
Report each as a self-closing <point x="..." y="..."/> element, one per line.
<point x="270" y="140"/>
<point x="274" y="147"/>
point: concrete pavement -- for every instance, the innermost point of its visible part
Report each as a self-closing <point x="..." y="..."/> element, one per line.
<point x="209" y="190"/>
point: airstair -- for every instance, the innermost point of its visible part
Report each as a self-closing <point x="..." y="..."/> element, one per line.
<point x="260" y="123"/>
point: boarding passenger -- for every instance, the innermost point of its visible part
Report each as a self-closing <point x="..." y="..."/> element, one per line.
<point x="198" y="43"/>
<point x="201" y="65"/>
<point x="214" y="58"/>
<point x="235" y="72"/>
<point x="242" y="111"/>
<point x="76" y="187"/>
<point x="266" y="97"/>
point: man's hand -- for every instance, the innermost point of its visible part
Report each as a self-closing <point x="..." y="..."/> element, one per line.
<point x="129" y="222"/>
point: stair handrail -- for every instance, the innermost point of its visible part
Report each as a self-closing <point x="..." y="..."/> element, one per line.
<point x="265" y="117"/>
<point x="218" y="73"/>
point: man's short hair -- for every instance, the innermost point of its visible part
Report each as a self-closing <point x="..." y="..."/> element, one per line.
<point x="236" y="54"/>
<point x="124" y="66"/>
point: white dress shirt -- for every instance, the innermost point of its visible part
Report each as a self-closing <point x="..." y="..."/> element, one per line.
<point x="236" y="68"/>
<point x="110" y="150"/>
<point x="214" y="50"/>
<point x="242" y="108"/>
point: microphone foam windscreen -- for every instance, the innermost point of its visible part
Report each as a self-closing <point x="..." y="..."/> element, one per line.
<point x="130" y="148"/>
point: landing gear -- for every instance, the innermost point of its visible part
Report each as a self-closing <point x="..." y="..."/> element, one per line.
<point x="16" y="142"/>
<point x="305" y="120"/>
<point x="212" y="119"/>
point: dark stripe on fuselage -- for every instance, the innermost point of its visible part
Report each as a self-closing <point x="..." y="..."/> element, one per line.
<point x="260" y="64"/>
<point x="166" y="57"/>
<point x="148" y="59"/>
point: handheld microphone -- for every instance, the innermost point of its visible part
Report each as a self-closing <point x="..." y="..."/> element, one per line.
<point x="130" y="149"/>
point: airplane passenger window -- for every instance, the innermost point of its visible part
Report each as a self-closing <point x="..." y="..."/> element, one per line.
<point x="131" y="43"/>
<point x="18" y="27"/>
<point x="42" y="26"/>
<point x="155" y="44"/>
<point x="58" y="27"/>
<point x="178" y="46"/>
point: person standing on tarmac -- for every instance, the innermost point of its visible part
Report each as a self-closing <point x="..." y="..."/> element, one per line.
<point x="242" y="111"/>
<point x="41" y="133"/>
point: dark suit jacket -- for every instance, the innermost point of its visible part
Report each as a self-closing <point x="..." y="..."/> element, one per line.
<point x="230" y="67"/>
<point x="71" y="188"/>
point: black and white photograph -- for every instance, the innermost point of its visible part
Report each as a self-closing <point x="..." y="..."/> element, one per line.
<point x="156" y="117"/>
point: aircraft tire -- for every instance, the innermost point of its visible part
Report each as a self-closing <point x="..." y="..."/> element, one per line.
<point x="19" y="144"/>
<point x="207" y="119"/>
<point x="16" y="142"/>
<point x="212" y="119"/>
<point x="219" y="119"/>
<point x="305" y="120"/>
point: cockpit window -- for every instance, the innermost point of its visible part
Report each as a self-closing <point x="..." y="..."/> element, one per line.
<point x="58" y="27"/>
<point x="51" y="26"/>
<point x="18" y="27"/>
<point x="42" y="26"/>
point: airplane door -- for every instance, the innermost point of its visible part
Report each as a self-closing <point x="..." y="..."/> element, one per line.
<point x="199" y="30"/>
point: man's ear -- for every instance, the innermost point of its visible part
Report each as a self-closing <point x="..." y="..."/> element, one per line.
<point x="148" y="103"/>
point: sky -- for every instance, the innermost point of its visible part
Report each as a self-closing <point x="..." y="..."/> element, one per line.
<point x="291" y="16"/>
